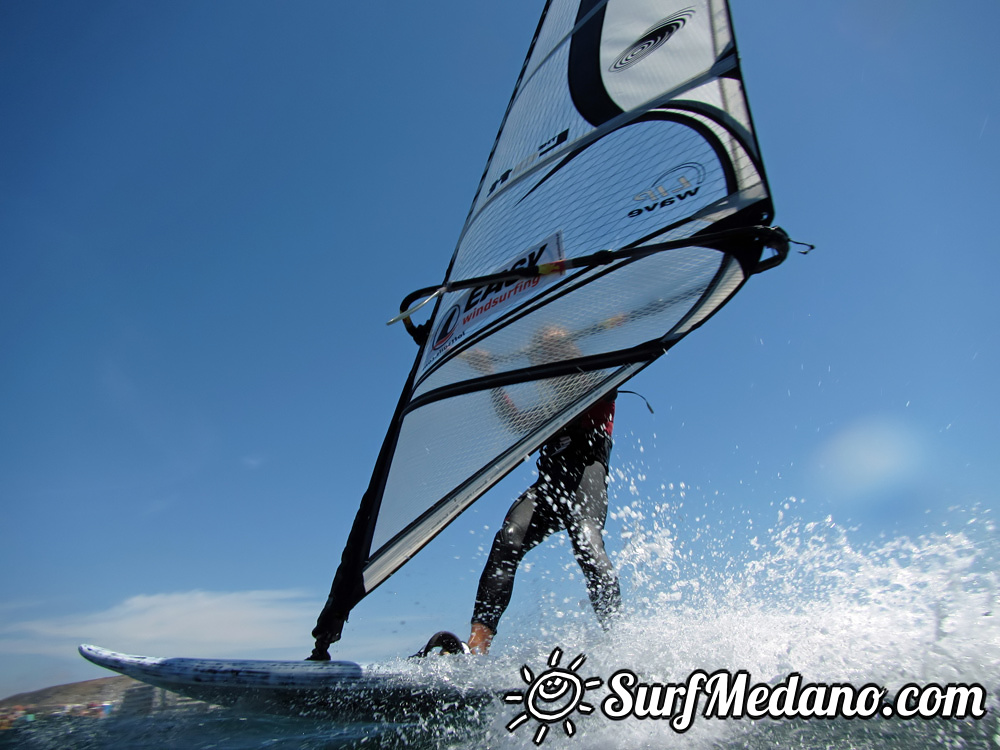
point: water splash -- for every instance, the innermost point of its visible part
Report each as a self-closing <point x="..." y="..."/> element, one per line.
<point x="709" y="587"/>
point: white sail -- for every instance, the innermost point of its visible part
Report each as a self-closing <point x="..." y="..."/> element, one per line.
<point x="622" y="204"/>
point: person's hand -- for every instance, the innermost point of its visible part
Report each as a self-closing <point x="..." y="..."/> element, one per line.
<point x="479" y="360"/>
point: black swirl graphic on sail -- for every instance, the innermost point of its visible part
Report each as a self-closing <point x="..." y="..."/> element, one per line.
<point x="652" y="39"/>
<point x="586" y="87"/>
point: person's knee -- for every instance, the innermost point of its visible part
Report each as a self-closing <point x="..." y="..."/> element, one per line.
<point x="590" y="538"/>
<point x="510" y="537"/>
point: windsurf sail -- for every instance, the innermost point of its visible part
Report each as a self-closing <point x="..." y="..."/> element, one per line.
<point x="623" y="203"/>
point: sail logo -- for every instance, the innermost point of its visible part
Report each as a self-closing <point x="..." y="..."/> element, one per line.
<point x="672" y="187"/>
<point x="447" y="328"/>
<point x="549" y="145"/>
<point x="652" y="39"/>
<point x="480" y="303"/>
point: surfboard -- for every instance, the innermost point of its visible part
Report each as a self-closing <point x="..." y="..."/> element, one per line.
<point x="340" y="690"/>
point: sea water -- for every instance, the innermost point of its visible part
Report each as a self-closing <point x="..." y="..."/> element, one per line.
<point x="791" y="595"/>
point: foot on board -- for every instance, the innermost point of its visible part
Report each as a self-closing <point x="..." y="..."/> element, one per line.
<point x="447" y="643"/>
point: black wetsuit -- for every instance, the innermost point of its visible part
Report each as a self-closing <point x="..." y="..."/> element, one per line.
<point x="571" y="493"/>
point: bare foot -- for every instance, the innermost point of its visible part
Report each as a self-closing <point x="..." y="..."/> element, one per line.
<point x="480" y="639"/>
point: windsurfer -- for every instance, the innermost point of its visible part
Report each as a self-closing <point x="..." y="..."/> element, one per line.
<point x="570" y="493"/>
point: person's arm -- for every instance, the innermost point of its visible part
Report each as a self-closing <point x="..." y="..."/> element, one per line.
<point x="481" y="361"/>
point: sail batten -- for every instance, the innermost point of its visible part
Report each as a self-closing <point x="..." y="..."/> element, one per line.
<point x="623" y="203"/>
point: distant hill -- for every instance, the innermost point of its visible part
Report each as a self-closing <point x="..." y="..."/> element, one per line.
<point x="47" y="700"/>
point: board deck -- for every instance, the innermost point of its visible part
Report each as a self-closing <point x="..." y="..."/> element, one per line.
<point x="340" y="690"/>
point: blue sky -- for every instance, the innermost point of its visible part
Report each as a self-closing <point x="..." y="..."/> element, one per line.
<point x="209" y="210"/>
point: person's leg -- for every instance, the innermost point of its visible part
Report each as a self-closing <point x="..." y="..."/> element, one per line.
<point x="585" y="523"/>
<point x="524" y="527"/>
